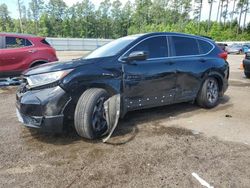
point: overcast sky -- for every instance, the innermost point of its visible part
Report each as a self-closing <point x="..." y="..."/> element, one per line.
<point x="12" y="6"/>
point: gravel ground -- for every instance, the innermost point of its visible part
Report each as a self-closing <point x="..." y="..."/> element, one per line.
<point x="158" y="147"/>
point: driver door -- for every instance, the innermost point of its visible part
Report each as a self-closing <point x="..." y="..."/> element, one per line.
<point x="151" y="82"/>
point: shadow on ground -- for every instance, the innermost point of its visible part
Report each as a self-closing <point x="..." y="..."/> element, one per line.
<point x="127" y="128"/>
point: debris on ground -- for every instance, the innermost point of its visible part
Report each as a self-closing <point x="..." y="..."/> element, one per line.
<point x="202" y="181"/>
<point x="10" y="81"/>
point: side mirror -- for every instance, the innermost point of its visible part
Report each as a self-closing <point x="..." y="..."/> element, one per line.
<point x="136" y="56"/>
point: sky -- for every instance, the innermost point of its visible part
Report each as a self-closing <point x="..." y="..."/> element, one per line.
<point x="12" y="6"/>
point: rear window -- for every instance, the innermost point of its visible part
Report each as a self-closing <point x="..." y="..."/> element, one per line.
<point x="183" y="46"/>
<point x="16" y="42"/>
<point x="44" y="41"/>
<point x="205" y="47"/>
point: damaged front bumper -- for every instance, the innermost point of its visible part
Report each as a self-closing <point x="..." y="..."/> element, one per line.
<point x="42" y="109"/>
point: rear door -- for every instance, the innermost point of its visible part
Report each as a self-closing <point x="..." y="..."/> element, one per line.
<point x="150" y="82"/>
<point x="14" y="53"/>
<point x="190" y="62"/>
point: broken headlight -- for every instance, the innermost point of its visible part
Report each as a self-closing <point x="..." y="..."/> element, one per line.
<point x="46" y="78"/>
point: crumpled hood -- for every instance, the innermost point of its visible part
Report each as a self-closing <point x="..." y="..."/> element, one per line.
<point x="60" y="65"/>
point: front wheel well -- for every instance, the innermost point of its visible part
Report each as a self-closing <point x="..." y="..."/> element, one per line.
<point x="36" y="63"/>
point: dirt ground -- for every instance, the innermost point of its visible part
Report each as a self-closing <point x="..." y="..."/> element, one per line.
<point x="158" y="147"/>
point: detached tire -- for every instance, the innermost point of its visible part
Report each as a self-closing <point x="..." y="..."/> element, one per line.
<point x="247" y="74"/>
<point x="90" y="121"/>
<point x="208" y="96"/>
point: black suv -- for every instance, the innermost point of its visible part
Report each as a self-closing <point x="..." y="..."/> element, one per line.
<point x="130" y="73"/>
<point x="246" y="65"/>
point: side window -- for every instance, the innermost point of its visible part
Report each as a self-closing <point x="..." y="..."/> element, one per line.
<point x="183" y="46"/>
<point x="156" y="47"/>
<point x="1" y="42"/>
<point x="205" y="47"/>
<point x="15" y="42"/>
<point x="44" y="41"/>
<point x="27" y="43"/>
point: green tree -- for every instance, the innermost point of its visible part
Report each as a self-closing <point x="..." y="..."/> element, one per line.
<point x="104" y="19"/>
<point x="85" y="16"/>
<point x="197" y="12"/>
<point x="210" y="13"/>
<point x="5" y="20"/>
<point x="142" y="16"/>
<point x="56" y="10"/>
<point x="36" y="7"/>
<point x="126" y="18"/>
<point x="116" y="15"/>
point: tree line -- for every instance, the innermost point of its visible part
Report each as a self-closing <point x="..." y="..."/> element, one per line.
<point x="112" y="19"/>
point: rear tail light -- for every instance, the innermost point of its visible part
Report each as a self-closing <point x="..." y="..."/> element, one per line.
<point x="223" y="55"/>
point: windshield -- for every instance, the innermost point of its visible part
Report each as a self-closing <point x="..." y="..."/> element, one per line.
<point x="112" y="48"/>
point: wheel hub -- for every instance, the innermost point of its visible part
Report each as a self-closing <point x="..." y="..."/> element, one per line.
<point x="212" y="91"/>
<point x="99" y="122"/>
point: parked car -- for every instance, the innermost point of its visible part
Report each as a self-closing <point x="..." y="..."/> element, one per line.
<point x="246" y="48"/>
<point x="246" y="65"/>
<point x="131" y="73"/>
<point x="234" y="49"/>
<point x="19" y="52"/>
<point x="222" y="46"/>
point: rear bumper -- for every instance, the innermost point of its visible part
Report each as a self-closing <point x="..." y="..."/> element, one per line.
<point x="225" y="86"/>
<point x="233" y="52"/>
<point x="246" y="65"/>
<point x="225" y="81"/>
<point x="42" y="109"/>
<point x="53" y="59"/>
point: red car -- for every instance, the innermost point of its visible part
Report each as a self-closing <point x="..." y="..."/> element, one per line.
<point x="19" y="52"/>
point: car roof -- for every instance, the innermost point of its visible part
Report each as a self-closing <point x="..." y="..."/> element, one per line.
<point x="19" y="35"/>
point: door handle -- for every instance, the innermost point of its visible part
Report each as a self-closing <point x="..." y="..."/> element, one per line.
<point x="169" y="63"/>
<point x="32" y="51"/>
<point x="202" y="60"/>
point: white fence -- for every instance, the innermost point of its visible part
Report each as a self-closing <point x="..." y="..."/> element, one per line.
<point x="81" y="44"/>
<point x="76" y="44"/>
<point x="235" y="42"/>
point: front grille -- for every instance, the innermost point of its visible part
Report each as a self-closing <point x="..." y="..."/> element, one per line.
<point x="23" y="87"/>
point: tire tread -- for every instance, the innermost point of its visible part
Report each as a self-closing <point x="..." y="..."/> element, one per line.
<point x="202" y="95"/>
<point x="83" y="112"/>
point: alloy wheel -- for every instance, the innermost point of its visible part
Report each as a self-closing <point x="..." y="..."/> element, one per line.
<point x="212" y="91"/>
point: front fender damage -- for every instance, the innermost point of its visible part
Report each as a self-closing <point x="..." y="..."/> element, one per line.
<point x="112" y="110"/>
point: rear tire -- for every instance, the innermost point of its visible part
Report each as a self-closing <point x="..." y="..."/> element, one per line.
<point x="208" y="96"/>
<point x="247" y="74"/>
<point x="90" y="120"/>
